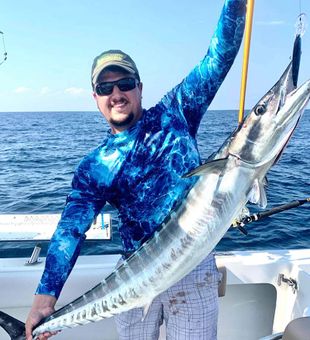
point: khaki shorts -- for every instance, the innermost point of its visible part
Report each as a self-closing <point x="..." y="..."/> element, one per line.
<point x="189" y="309"/>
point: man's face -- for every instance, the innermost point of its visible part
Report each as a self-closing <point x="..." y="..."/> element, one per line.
<point x="122" y="109"/>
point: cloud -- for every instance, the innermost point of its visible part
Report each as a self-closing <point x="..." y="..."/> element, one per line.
<point x="22" y="89"/>
<point x="75" y="91"/>
<point x="45" y="90"/>
<point x="270" y="23"/>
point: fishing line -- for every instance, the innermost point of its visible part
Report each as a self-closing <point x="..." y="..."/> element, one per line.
<point x="5" y="55"/>
<point x="301" y="22"/>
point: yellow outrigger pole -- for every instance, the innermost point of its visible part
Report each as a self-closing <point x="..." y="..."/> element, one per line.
<point x="246" y="53"/>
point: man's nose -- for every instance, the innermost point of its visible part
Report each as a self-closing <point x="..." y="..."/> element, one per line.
<point x="116" y="90"/>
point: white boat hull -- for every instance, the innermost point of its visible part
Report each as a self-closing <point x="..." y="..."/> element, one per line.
<point x="254" y="305"/>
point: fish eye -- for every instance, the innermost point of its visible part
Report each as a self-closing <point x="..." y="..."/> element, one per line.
<point x="260" y="109"/>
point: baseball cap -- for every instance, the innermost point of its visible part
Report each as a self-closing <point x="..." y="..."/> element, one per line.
<point x="113" y="58"/>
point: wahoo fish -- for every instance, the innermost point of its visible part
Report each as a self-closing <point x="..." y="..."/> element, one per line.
<point x="231" y="178"/>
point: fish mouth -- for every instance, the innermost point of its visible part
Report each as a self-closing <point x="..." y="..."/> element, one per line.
<point x="294" y="105"/>
<point x="289" y="115"/>
<point x="287" y="84"/>
<point x="274" y="100"/>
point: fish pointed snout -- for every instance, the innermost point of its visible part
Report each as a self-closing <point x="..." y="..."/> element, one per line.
<point x="304" y="89"/>
<point x="307" y="85"/>
<point x="296" y="103"/>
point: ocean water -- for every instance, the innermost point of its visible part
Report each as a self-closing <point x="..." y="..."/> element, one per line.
<point x="40" y="150"/>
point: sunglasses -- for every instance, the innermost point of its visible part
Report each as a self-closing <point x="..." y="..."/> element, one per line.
<point x="124" y="85"/>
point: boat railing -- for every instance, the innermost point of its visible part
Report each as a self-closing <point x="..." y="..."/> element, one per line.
<point x="27" y="227"/>
<point x="22" y="235"/>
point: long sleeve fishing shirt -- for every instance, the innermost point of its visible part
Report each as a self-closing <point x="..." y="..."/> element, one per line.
<point x="139" y="171"/>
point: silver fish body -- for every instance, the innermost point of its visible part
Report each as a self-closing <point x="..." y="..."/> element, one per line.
<point x="226" y="183"/>
<point x="183" y="242"/>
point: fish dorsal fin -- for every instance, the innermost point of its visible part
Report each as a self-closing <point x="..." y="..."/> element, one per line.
<point x="14" y="327"/>
<point x="257" y="194"/>
<point x="214" y="166"/>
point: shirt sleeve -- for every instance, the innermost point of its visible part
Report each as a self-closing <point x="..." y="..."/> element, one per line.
<point x="194" y="94"/>
<point x="82" y="206"/>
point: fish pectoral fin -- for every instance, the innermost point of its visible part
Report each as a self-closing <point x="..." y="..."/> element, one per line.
<point x="14" y="327"/>
<point x="145" y="310"/>
<point x="257" y="194"/>
<point x="214" y="166"/>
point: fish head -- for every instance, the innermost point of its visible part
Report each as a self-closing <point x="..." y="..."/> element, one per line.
<point x="265" y="131"/>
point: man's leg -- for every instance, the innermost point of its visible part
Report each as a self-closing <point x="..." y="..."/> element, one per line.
<point x="132" y="326"/>
<point x="191" y="305"/>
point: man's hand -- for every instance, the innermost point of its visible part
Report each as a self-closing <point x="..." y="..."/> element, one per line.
<point x="43" y="305"/>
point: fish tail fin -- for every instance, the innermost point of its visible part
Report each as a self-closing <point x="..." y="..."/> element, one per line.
<point x="14" y="327"/>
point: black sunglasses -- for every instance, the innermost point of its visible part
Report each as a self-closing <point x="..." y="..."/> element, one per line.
<point x="125" y="84"/>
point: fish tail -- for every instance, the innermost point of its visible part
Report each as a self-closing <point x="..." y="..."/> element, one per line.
<point x="14" y="327"/>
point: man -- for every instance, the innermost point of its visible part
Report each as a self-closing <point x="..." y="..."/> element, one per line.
<point x="138" y="169"/>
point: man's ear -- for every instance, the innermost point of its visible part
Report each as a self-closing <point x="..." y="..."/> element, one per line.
<point x="140" y="86"/>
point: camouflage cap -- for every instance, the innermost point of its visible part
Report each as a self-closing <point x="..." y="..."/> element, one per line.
<point x="113" y="58"/>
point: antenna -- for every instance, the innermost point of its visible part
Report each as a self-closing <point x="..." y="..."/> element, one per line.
<point x="5" y="55"/>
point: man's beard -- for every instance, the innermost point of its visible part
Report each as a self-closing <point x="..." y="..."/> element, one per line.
<point x="124" y="122"/>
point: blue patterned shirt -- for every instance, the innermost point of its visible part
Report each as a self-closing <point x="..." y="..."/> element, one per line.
<point x="139" y="171"/>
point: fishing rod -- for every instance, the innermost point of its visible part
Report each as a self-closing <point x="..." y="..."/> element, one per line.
<point x="256" y="217"/>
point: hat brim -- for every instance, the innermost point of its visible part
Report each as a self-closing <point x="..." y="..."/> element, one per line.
<point x="114" y="63"/>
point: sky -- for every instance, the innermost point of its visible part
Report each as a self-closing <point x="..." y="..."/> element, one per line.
<point x="51" y="46"/>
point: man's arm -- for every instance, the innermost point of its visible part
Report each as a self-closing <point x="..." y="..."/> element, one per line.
<point x="195" y="93"/>
<point x="82" y="206"/>
<point x="67" y="240"/>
